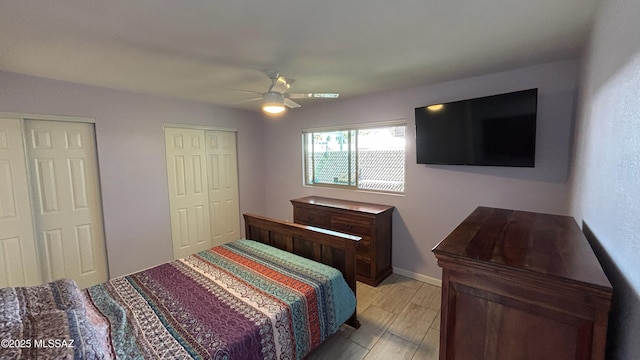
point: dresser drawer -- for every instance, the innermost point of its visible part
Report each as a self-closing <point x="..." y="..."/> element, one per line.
<point x="372" y="222"/>
<point x="355" y="225"/>
<point x="311" y="217"/>
<point x="364" y="248"/>
<point x="363" y="268"/>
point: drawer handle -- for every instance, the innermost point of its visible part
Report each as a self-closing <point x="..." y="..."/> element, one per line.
<point x="309" y="218"/>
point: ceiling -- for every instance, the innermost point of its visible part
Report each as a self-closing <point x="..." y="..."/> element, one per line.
<point x="214" y="51"/>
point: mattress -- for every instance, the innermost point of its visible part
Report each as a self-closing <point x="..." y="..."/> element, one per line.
<point x="242" y="300"/>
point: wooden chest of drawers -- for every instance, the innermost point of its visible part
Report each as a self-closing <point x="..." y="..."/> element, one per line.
<point x="372" y="222"/>
<point x="521" y="285"/>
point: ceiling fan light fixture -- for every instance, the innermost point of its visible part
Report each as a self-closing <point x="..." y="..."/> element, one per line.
<point x="273" y="103"/>
<point x="273" y="108"/>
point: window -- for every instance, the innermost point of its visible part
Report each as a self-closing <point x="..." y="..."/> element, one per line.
<point x="366" y="158"/>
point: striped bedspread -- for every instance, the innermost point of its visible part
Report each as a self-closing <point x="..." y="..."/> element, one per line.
<point x="243" y="300"/>
<point x="50" y="321"/>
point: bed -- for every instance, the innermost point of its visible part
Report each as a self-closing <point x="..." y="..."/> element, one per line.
<point x="250" y="299"/>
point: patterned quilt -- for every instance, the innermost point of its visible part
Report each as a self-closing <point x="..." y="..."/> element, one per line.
<point x="50" y="321"/>
<point x="243" y="300"/>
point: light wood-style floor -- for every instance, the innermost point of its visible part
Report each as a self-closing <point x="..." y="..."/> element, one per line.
<point x="400" y="320"/>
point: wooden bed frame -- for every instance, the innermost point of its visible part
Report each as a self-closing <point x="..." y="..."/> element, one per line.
<point x="329" y="247"/>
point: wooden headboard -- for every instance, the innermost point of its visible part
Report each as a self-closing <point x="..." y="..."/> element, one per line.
<point x="329" y="247"/>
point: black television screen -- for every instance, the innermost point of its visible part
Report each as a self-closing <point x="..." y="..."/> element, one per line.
<point x="498" y="130"/>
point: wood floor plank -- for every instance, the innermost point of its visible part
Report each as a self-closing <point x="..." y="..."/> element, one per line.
<point x="428" y="296"/>
<point x="366" y="296"/>
<point x="436" y="322"/>
<point x="400" y="280"/>
<point x="339" y="348"/>
<point x="373" y="323"/>
<point x="393" y="347"/>
<point x="393" y="317"/>
<point x="395" y="298"/>
<point x="412" y="323"/>
<point x="429" y="347"/>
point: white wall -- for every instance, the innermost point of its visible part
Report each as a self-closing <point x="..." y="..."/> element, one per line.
<point x="132" y="166"/>
<point x="130" y="140"/>
<point x="605" y="182"/>
<point x="437" y="197"/>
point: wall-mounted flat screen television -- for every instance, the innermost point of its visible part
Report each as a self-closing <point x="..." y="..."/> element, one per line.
<point x="498" y="130"/>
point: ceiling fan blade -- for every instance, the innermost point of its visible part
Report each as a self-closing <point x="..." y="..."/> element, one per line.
<point x="246" y="91"/>
<point x="313" y="95"/>
<point x="291" y="104"/>
<point x="248" y="100"/>
<point x="281" y="84"/>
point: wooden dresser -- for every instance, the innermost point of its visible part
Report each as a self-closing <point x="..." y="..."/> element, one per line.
<point x="372" y="222"/>
<point x="521" y="285"/>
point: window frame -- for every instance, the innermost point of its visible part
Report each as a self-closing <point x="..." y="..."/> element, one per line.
<point x="306" y="169"/>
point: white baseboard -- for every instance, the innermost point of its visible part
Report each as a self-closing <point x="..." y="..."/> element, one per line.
<point x="419" y="277"/>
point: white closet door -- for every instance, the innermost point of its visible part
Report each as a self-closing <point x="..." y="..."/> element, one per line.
<point x="18" y="257"/>
<point x="222" y="172"/>
<point x="68" y="212"/>
<point x="188" y="198"/>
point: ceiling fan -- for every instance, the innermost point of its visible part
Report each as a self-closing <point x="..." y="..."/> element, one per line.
<point x="276" y="97"/>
